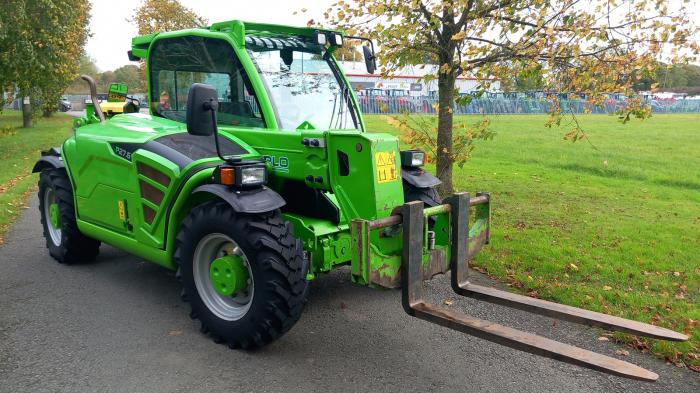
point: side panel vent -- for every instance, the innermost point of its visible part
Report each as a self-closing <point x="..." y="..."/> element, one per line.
<point x="153" y="174"/>
<point x="150" y="193"/>
<point x="153" y="185"/>
<point x="148" y="214"/>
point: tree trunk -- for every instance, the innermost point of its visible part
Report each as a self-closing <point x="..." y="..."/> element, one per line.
<point x="47" y="113"/>
<point x="446" y="86"/>
<point x="26" y="113"/>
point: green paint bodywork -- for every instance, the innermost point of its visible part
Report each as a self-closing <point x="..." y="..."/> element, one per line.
<point x="228" y="275"/>
<point x="103" y="177"/>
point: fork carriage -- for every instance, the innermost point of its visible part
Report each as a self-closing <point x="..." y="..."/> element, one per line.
<point x="420" y="260"/>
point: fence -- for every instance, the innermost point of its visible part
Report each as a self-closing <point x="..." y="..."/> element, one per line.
<point x="516" y="105"/>
<point x="380" y="104"/>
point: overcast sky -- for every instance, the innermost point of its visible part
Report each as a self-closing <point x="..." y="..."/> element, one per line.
<point x="112" y="31"/>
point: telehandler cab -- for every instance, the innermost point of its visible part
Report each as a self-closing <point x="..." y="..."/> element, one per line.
<point x="254" y="173"/>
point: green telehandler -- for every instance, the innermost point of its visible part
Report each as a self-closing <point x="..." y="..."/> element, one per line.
<point x="253" y="174"/>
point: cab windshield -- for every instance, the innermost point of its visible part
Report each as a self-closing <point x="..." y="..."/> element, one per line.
<point x="303" y="83"/>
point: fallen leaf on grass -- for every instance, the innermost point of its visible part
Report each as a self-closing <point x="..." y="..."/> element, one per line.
<point x="479" y="269"/>
<point x="639" y="344"/>
<point x="607" y="287"/>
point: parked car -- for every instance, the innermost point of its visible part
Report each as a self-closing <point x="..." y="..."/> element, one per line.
<point x="64" y="105"/>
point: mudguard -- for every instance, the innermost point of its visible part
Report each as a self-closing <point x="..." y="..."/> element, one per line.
<point x="49" y="159"/>
<point x="259" y="200"/>
<point x="419" y="178"/>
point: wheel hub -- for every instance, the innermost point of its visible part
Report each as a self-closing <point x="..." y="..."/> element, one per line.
<point x="53" y="215"/>
<point x="228" y="275"/>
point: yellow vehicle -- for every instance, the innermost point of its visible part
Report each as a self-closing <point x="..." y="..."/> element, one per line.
<point x="118" y="101"/>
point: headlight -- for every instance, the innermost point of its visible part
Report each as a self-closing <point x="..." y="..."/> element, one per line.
<point x="241" y="176"/>
<point x="253" y="176"/>
<point x="412" y="158"/>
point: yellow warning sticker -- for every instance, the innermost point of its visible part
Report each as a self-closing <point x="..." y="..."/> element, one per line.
<point x="122" y="210"/>
<point x="386" y="166"/>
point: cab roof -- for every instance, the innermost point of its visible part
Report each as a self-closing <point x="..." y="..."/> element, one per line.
<point x="236" y="28"/>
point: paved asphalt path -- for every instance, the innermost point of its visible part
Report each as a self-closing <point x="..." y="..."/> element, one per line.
<point x="118" y="325"/>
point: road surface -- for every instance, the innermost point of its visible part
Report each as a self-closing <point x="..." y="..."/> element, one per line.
<point x="118" y="325"/>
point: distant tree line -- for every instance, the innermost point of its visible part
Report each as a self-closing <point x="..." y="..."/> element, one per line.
<point x="128" y="74"/>
<point x="679" y="78"/>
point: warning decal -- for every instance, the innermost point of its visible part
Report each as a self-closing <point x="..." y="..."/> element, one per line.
<point x="386" y="166"/>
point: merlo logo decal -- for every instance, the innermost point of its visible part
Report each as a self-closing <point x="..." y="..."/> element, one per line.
<point x="279" y="164"/>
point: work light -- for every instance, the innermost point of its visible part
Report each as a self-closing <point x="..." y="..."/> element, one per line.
<point x="336" y="39"/>
<point x="412" y="158"/>
<point x="320" y="38"/>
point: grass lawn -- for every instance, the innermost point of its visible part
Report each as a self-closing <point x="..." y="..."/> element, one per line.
<point x="615" y="230"/>
<point x="19" y="150"/>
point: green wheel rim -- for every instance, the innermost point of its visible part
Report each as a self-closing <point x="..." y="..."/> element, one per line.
<point x="53" y="213"/>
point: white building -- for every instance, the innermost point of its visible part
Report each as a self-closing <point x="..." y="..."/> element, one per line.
<point x="409" y="78"/>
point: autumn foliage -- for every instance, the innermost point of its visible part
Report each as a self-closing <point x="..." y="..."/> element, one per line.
<point x="41" y="43"/>
<point x="588" y="48"/>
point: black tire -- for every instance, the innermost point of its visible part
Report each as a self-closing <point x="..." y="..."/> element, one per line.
<point x="275" y="260"/>
<point x="73" y="246"/>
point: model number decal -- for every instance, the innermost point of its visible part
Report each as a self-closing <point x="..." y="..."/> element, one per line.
<point x="279" y="164"/>
<point x="123" y="153"/>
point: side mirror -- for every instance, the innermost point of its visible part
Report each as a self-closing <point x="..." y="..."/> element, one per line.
<point x="202" y="105"/>
<point x="370" y="59"/>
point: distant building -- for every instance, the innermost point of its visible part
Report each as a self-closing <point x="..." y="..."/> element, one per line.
<point x="409" y="79"/>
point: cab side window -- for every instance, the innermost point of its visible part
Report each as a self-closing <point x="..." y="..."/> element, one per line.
<point x="177" y="63"/>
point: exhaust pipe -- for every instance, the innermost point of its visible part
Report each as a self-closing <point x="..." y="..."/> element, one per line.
<point x="93" y="96"/>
